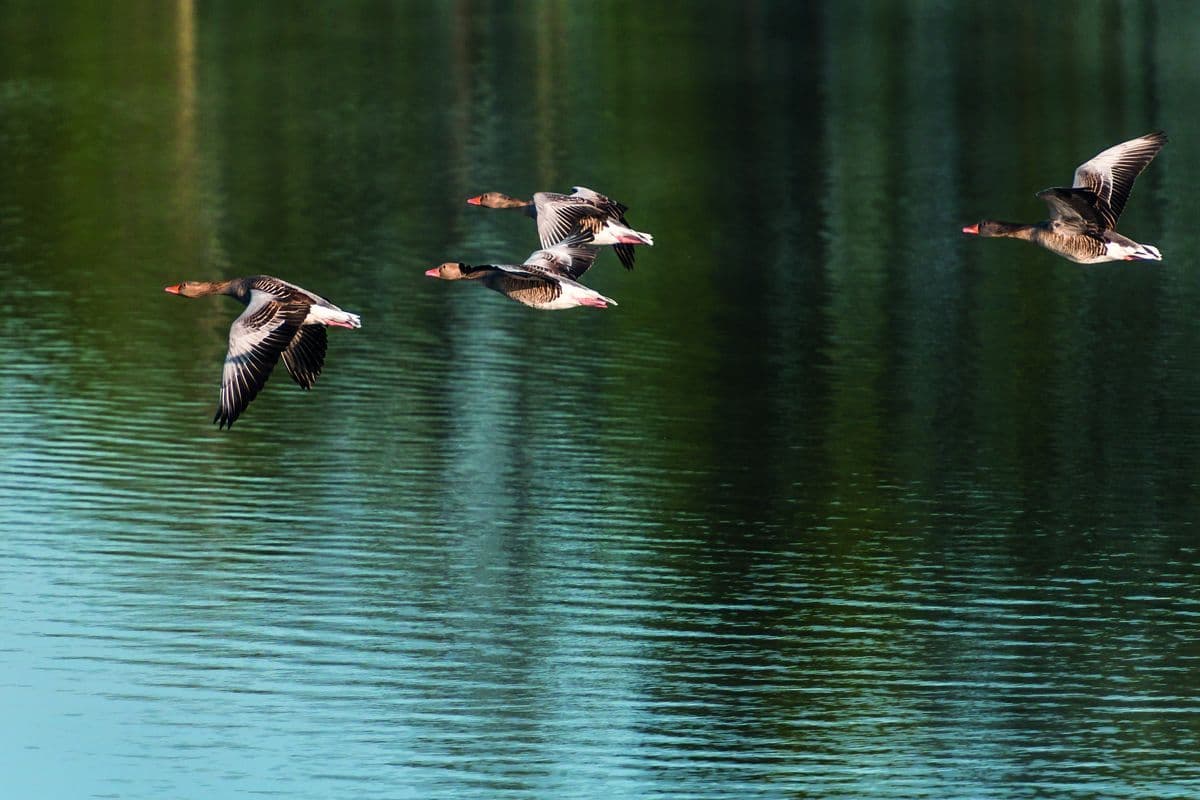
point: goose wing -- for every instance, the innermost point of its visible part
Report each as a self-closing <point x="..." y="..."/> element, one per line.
<point x="561" y="215"/>
<point x="1074" y="210"/>
<point x="570" y="257"/>
<point x="256" y="340"/>
<point x="613" y="210"/>
<point x="284" y="292"/>
<point x="527" y="272"/>
<point x="305" y="355"/>
<point x="611" y="207"/>
<point x="1110" y="174"/>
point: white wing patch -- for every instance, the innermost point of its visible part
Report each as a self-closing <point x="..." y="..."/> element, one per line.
<point x="568" y="260"/>
<point x="256" y="340"/>
<point x="558" y="216"/>
<point x="1111" y="173"/>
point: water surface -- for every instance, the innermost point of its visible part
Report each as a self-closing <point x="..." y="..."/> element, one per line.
<point x="836" y="503"/>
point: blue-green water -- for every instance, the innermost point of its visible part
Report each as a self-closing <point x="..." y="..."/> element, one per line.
<point x="837" y="503"/>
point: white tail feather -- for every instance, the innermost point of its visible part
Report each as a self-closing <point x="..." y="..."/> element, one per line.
<point x="1128" y="251"/>
<point x="1144" y="252"/>
<point x="332" y="316"/>
<point x="613" y="233"/>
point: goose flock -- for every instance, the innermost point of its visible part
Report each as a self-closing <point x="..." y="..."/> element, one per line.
<point x="572" y="228"/>
<point x="285" y="321"/>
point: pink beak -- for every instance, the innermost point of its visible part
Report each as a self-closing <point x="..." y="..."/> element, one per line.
<point x="433" y="273"/>
<point x="972" y="229"/>
<point x="475" y="201"/>
<point x="173" y="289"/>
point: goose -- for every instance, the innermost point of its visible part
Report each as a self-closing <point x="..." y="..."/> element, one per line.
<point x="546" y="280"/>
<point x="560" y="215"/>
<point x="1083" y="217"/>
<point x="280" y="320"/>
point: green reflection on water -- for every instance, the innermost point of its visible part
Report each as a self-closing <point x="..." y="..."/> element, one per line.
<point x="812" y="375"/>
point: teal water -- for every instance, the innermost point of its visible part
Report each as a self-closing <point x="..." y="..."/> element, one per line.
<point x="837" y="503"/>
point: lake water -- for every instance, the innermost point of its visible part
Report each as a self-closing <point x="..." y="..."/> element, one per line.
<point x="838" y="503"/>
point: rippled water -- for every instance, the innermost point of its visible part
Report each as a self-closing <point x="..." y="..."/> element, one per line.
<point x="835" y="504"/>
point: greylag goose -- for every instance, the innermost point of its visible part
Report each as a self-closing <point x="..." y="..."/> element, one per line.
<point x="1083" y="217"/>
<point x="545" y="281"/>
<point x="561" y="215"/>
<point x="281" y="319"/>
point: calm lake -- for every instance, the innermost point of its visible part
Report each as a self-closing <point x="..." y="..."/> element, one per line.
<point x="837" y="503"/>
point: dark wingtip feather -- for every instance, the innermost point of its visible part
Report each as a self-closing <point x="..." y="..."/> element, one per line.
<point x="625" y="253"/>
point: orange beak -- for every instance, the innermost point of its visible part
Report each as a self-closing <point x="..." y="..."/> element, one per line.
<point x="972" y="229"/>
<point x="475" y="201"/>
<point x="174" y="289"/>
<point x="433" y="273"/>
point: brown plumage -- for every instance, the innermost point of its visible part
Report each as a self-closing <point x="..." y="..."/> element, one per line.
<point x="545" y="281"/>
<point x="281" y="320"/>
<point x="1083" y="217"/>
<point x="560" y="216"/>
<point x="525" y="286"/>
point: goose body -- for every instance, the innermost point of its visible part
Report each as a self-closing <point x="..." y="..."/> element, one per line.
<point x="546" y="280"/>
<point x="559" y="216"/>
<point x="281" y="320"/>
<point x="1083" y="217"/>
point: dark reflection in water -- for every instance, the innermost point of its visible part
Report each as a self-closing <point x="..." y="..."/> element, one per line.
<point x="835" y="504"/>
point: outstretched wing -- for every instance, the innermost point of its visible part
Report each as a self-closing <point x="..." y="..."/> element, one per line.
<point x="1076" y="210"/>
<point x="305" y="355"/>
<point x="625" y="254"/>
<point x="561" y="215"/>
<point x="1111" y="173"/>
<point x="611" y="207"/>
<point x="570" y="257"/>
<point x="613" y="210"/>
<point x="256" y="340"/>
